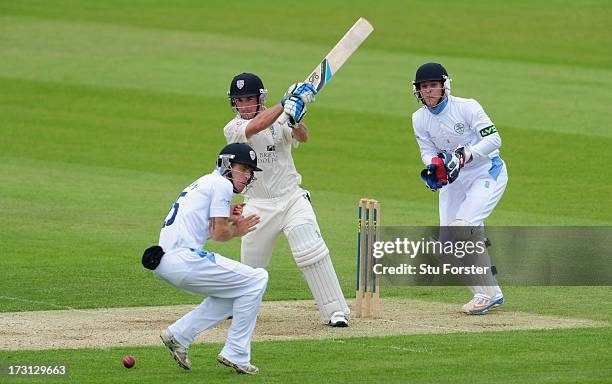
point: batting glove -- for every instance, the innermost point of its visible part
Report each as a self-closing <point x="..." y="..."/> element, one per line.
<point x="304" y="91"/>
<point x="295" y="108"/>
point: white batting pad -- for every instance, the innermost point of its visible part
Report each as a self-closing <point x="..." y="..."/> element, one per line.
<point x="312" y="256"/>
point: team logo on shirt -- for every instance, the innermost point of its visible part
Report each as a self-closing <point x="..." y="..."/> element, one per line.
<point x="239" y="84"/>
<point x="459" y="128"/>
<point x="271" y="148"/>
<point x="488" y="131"/>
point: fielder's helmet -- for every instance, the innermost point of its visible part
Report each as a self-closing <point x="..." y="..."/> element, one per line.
<point x="238" y="153"/>
<point x="431" y="72"/>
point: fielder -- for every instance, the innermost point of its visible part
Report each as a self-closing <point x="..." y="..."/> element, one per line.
<point x="460" y="148"/>
<point x="276" y="196"/>
<point x="203" y="210"/>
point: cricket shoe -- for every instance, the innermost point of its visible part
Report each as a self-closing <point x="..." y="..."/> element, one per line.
<point x="248" y="369"/>
<point x="338" y="320"/>
<point x="479" y="305"/>
<point x="498" y="301"/>
<point x="179" y="352"/>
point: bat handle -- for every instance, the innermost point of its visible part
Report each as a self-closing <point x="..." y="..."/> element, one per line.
<point x="283" y="118"/>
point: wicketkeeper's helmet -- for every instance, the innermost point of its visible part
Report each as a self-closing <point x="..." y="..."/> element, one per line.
<point x="431" y="72"/>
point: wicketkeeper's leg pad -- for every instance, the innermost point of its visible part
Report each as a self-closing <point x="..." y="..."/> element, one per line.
<point x="481" y="285"/>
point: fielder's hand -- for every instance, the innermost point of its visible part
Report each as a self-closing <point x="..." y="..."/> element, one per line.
<point x="236" y="212"/>
<point x="435" y="174"/>
<point x="304" y="91"/>
<point x="244" y="225"/>
<point x="295" y="108"/>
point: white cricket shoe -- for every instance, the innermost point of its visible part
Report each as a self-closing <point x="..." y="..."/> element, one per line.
<point x="479" y="305"/>
<point x="248" y="369"/>
<point x="179" y="352"/>
<point x="338" y="319"/>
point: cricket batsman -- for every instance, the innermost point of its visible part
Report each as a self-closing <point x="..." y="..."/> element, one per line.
<point x="459" y="146"/>
<point x="276" y="195"/>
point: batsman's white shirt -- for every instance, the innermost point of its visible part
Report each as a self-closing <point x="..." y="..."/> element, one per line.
<point x="233" y="289"/>
<point x="285" y="208"/>
<point x="481" y="183"/>
<point x="273" y="146"/>
<point x="276" y="195"/>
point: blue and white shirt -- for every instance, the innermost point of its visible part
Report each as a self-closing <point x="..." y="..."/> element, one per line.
<point x="187" y="223"/>
<point x="461" y="122"/>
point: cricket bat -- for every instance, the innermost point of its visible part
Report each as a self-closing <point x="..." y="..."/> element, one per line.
<point x="336" y="58"/>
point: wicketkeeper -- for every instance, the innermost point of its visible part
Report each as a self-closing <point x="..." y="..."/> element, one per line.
<point x="460" y="148"/>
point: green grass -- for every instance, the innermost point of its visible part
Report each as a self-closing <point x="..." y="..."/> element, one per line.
<point x="107" y="110"/>
<point x="578" y="355"/>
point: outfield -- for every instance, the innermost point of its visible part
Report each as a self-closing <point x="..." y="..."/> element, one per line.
<point x="108" y="110"/>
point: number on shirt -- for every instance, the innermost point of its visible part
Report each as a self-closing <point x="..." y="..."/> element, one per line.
<point x="174" y="210"/>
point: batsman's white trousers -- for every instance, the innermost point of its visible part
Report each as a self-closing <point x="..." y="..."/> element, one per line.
<point x="283" y="215"/>
<point x="233" y="289"/>
<point x="278" y="215"/>
<point x="474" y="194"/>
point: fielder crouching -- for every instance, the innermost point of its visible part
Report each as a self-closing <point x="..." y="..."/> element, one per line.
<point x="203" y="210"/>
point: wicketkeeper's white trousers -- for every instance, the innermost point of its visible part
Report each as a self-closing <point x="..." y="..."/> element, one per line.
<point x="474" y="194"/>
<point x="233" y="289"/>
<point x="472" y="197"/>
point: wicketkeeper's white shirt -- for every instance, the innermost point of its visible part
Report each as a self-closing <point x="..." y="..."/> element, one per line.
<point x="273" y="146"/>
<point x="462" y="122"/>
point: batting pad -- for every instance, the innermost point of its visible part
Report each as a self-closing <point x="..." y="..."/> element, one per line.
<point x="312" y="257"/>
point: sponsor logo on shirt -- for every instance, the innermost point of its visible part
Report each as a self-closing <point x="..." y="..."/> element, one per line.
<point x="488" y="131"/>
<point x="268" y="157"/>
<point x="271" y="148"/>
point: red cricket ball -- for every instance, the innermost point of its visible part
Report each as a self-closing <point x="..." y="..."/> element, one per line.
<point x="129" y="361"/>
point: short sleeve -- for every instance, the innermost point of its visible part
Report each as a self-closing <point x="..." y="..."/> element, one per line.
<point x="287" y="133"/>
<point x="221" y="198"/>
<point x="235" y="131"/>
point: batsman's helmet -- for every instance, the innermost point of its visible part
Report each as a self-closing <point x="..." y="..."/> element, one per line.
<point x="431" y="72"/>
<point x="247" y="85"/>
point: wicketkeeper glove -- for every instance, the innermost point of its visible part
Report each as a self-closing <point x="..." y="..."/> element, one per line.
<point x="435" y="174"/>
<point x="453" y="162"/>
